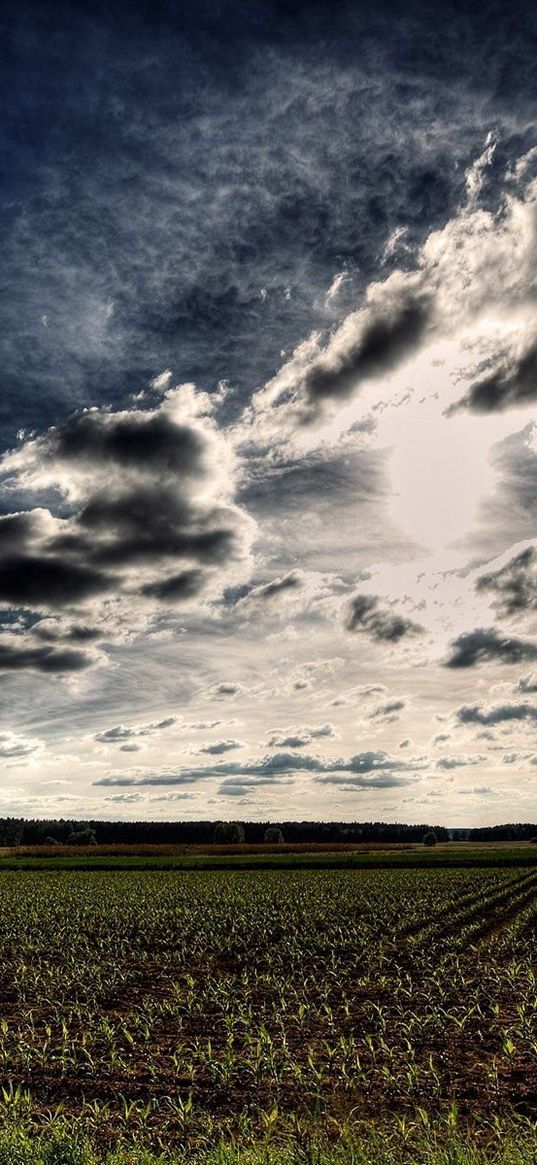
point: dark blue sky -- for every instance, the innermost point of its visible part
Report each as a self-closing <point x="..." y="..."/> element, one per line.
<point x="319" y="564"/>
<point x="183" y="181"/>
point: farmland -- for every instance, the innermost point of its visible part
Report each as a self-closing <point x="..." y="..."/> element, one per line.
<point x="185" y="1010"/>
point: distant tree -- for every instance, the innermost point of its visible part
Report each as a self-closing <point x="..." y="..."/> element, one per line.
<point x="430" y="838"/>
<point x="228" y="833"/>
<point x="52" y="841"/>
<point x="11" y="831"/>
<point x="82" y="837"/>
<point x="274" y="835"/>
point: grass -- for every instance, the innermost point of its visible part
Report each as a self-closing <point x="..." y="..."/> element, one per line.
<point x="396" y="858"/>
<point x="508" y="1144"/>
<point x="268" y="1017"/>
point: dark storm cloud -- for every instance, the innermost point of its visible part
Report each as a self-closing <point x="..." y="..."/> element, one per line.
<point x="499" y="714"/>
<point x="387" y="336"/>
<point x="142" y="442"/>
<point x="51" y="632"/>
<point x="513" y="586"/>
<point x="512" y="382"/>
<point x="146" y="512"/>
<point x="367" y="614"/>
<point x="35" y="581"/>
<point x="16" y="530"/>
<point x="178" y="586"/>
<point x="146" y="523"/>
<point x="53" y="661"/>
<point x="487" y="645"/>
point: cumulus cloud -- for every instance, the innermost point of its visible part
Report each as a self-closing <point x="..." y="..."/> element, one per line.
<point x="480" y="261"/>
<point x="145" y="518"/>
<point x="272" y="767"/>
<point x="14" y="747"/>
<point x="458" y="762"/>
<point x="496" y="714"/>
<point x="121" y="732"/>
<point x="222" y="746"/>
<point x="16" y="655"/>
<point x="367" y="614"/>
<point x="226" y="689"/>
<point x="485" y="645"/>
<point x="293" y="737"/>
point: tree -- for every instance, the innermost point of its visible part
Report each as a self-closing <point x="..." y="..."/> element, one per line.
<point x="430" y="838"/>
<point x="82" y="837"/>
<point x="11" y="831"/>
<point x="228" y="833"/>
<point x="273" y="834"/>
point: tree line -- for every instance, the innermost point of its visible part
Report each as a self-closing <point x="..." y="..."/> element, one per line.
<point x="59" y="831"/>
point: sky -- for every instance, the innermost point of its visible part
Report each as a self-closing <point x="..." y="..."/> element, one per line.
<point x="268" y="432"/>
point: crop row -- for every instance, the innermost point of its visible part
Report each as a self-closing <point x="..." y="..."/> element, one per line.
<point x="176" y="1006"/>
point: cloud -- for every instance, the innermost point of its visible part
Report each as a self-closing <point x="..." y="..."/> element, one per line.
<point x="475" y="791"/>
<point x="145" y="519"/>
<point x="514" y="585"/>
<point x="276" y="587"/>
<point x="458" y="762"/>
<point x="513" y="381"/>
<point x="13" y="746"/>
<point x="366" y="614"/>
<point x="16" y="656"/>
<point x="368" y="345"/>
<point x="237" y="786"/>
<point x="298" y="737"/>
<point x="272" y="767"/>
<point x="486" y="644"/>
<point x="527" y="683"/>
<point x="225" y="689"/>
<point x="121" y="732"/>
<point x="221" y="746"/>
<point x="389" y="710"/>
<point x="387" y="780"/>
<point x="497" y="714"/>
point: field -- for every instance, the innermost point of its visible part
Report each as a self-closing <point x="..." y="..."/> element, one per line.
<point x="292" y="856"/>
<point x="183" y="1012"/>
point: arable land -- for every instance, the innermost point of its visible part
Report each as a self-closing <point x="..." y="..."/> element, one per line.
<point x="247" y="856"/>
<point x="258" y="1015"/>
